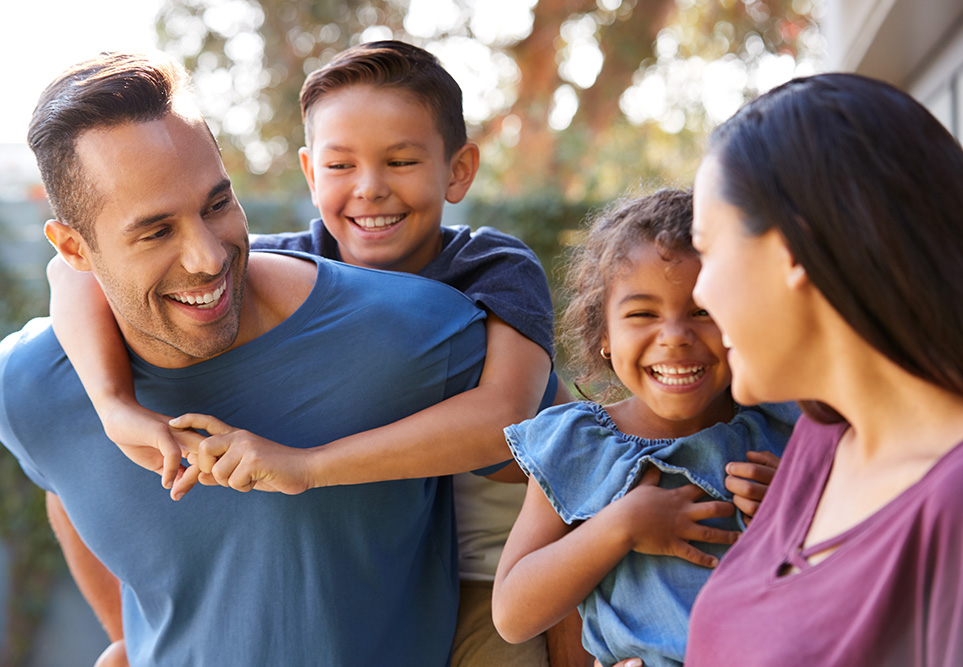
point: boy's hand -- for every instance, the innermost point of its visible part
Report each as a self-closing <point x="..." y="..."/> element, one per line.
<point x="664" y="521"/>
<point x="749" y="480"/>
<point x="239" y="459"/>
<point x="145" y="437"/>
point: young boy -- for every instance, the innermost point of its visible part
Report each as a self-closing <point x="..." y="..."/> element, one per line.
<point x="386" y="147"/>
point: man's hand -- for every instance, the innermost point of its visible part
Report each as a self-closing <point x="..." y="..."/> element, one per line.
<point x="749" y="480"/>
<point x="145" y="437"/>
<point x="664" y="521"/>
<point x="239" y="459"/>
<point x="114" y="655"/>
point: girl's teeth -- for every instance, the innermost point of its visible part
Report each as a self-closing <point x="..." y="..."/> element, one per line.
<point x="726" y="341"/>
<point x="678" y="375"/>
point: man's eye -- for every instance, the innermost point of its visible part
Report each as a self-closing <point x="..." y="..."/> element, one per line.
<point x="159" y="234"/>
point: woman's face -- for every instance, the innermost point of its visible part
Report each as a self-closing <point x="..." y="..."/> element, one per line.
<point x="747" y="285"/>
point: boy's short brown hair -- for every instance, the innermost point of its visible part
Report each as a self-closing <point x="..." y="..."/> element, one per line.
<point x="392" y="64"/>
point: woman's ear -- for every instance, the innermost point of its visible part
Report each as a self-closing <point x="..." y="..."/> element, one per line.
<point x="69" y="244"/>
<point x="794" y="271"/>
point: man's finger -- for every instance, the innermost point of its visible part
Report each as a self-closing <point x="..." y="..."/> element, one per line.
<point x="200" y="422"/>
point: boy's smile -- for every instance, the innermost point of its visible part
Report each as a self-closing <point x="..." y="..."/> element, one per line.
<point x="378" y="174"/>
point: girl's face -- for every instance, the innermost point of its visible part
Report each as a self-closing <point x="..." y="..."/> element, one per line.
<point x="747" y="284"/>
<point x="666" y="349"/>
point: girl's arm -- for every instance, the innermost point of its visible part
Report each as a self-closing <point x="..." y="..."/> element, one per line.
<point x="88" y="333"/>
<point x="459" y="434"/>
<point x="548" y="567"/>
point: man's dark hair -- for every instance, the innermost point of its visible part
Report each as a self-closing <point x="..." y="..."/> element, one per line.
<point x="111" y="89"/>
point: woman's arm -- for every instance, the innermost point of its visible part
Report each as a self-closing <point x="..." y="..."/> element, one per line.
<point x="88" y="333"/>
<point x="459" y="434"/>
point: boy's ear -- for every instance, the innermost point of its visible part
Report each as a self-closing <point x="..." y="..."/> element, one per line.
<point x="69" y="244"/>
<point x="464" y="166"/>
<point x="307" y="168"/>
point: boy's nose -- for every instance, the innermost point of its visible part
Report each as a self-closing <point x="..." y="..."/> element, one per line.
<point x="372" y="186"/>
<point x="202" y="250"/>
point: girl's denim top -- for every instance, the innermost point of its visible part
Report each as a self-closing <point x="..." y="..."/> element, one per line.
<point x="583" y="462"/>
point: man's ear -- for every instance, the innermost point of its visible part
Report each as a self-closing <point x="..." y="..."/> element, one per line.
<point x="69" y="243"/>
<point x="307" y="168"/>
<point x="464" y="166"/>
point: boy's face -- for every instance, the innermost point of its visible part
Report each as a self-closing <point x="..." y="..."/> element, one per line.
<point x="377" y="172"/>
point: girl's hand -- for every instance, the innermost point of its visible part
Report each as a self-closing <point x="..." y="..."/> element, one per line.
<point x="662" y="522"/>
<point x="239" y="459"/>
<point x="749" y="480"/>
<point x="145" y="437"/>
<point x="628" y="662"/>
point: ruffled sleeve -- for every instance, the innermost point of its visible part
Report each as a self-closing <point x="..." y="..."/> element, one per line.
<point x="583" y="462"/>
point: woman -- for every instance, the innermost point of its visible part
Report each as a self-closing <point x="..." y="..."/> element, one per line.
<point x="829" y="215"/>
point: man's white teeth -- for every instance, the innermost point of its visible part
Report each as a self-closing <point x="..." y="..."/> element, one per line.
<point x="677" y="375"/>
<point x="377" y="222"/>
<point x="206" y="300"/>
<point x="726" y="341"/>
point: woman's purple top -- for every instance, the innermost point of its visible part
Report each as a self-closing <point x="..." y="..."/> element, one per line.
<point x="891" y="594"/>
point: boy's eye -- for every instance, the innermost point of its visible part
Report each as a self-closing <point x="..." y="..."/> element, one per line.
<point x="401" y="163"/>
<point x="339" y="165"/>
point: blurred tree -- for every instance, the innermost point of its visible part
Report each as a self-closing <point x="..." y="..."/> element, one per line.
<point x="575" y="98"/>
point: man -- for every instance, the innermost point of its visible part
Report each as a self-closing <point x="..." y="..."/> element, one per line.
<point x="281" y="345"/>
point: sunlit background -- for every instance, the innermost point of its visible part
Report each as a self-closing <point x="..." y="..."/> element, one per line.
<point x="573" y="102"/>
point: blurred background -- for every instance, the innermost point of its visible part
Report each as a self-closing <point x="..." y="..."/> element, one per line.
<point x="573" y="102"/>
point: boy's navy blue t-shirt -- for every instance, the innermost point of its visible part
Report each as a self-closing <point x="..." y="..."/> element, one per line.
<point x="497" y="271"/>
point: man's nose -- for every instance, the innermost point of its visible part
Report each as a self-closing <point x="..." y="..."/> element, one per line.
<point x="202" y="250"/>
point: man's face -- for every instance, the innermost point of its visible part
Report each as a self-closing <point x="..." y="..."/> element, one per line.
<point x="172" y="240"/>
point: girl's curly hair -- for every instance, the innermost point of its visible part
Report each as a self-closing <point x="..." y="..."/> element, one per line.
<point x="663" y="219"/>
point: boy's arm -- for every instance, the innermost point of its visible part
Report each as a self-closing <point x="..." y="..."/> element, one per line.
<point x="88" y="333"/>
<point x="548" y="568"/>
<point x="459" y="434"/>
<point x="98" y="585"/>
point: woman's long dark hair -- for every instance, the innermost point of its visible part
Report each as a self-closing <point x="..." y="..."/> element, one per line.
<point x="867" y="188"/>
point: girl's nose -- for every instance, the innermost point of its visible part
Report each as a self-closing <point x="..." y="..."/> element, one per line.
<point x="676" y="333"/>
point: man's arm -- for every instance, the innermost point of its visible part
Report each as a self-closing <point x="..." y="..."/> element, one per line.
<point x="459" y="434"/>
<point x="98" y="585"/>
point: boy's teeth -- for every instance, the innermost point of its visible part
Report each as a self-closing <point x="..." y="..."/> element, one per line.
<point x="378" y="221"/>
<point x="208" y="299"/>
<point x="678" y="375"/>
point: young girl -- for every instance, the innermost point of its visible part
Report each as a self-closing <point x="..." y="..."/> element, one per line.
<point x="614" y="492"/>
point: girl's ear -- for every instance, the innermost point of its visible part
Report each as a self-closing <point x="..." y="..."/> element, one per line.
<point x="69" y="243"/>
<point x="464" y="166"/>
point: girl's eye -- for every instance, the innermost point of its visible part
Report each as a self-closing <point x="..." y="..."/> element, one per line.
<point x="643" y="313"/>
<point x="702" y="312"/>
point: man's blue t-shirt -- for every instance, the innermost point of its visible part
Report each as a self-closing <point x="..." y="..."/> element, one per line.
<point x="348" y="575"/>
